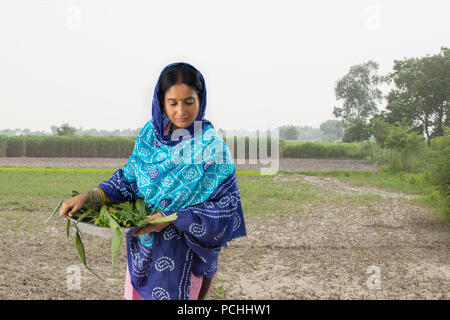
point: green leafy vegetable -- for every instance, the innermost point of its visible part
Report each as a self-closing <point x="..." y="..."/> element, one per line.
<point x="114" y="216"/>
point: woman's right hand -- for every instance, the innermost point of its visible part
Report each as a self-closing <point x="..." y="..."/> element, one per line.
<point x="72" y="205"/>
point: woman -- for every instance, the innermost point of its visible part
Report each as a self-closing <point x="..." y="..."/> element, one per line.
<point x="179" y="164"/>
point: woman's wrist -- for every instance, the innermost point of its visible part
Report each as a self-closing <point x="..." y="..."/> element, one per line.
<point x="95" y="198"/>
<point x="84" y="198"/>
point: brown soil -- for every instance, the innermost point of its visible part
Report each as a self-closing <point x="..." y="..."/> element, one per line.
<point x="285" y="164"/>
<point x="326" y="253"/>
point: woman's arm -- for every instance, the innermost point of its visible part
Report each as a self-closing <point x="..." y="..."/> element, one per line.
<point x="115" y="190"/>
<point x="94" y="198"/>
<point x="118" y="189"/>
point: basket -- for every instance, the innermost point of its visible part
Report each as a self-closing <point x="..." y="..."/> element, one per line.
<point x="97" y="231"/>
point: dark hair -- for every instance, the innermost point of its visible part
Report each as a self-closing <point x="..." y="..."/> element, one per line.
<point x="179" y="72"/>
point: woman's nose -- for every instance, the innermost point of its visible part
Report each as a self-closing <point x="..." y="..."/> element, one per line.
<point x="182" y="107"/>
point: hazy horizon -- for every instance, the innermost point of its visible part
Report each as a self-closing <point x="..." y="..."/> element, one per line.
<point x="94" y="64"/>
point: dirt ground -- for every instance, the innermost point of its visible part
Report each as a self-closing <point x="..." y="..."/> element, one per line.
<point x="112" y="163"/>
<point x="332" y="252"/>
<point x="392" y="249"/>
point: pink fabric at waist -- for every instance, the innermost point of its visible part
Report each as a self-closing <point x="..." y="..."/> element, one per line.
<point x="131" y="294"/>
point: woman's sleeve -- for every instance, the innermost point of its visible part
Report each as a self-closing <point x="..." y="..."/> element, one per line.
<point x="211" y="224"/>
<point x="121" y="186"/>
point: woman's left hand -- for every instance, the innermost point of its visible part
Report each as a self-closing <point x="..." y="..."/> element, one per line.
<point x="154" y="227"/>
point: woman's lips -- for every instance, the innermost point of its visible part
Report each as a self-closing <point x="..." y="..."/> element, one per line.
<point x="182" y="119"/>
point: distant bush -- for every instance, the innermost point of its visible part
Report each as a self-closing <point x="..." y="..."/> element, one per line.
<point x="240" y="147"/>
<point x="3" y="143"/>
<point x="122" y="147"/>
<point x="406" y="142"/>
<point x="66" y="146"/>
<point x="438" y="172"/>
<point x="327" y="150"/>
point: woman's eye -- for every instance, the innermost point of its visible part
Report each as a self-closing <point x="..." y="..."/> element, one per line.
<point x="189" y="103"/>
<point x="173" y="104"/>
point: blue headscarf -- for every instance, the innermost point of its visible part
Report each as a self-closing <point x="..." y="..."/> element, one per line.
<point x="158" y="115"/>
<point x="193" y="175"/>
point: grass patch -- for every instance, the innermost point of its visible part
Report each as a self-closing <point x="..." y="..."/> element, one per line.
<point x="325" y="150"/>
<point x="220" y="292"/>
<point x="39" y="189"/>
<point x="412" y="183"/>
<point x="263" y="197"/>
<point x="409" y="183"/>
<point x="436" y="202"/>
<point x="42" y="182"/>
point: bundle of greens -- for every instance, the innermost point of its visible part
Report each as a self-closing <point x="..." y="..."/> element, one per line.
<point x="114" y="216"/>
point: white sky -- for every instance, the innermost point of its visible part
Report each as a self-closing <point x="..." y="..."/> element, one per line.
<point x="95" y="63"/>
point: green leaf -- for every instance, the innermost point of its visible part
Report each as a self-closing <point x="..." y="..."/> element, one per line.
<point x="115" y="247"/>
<point x="116" y="240"/>
<point x="82" y="253"/>
<point x="103" y="218"/>
<point x="111" y="222"/>
<point x="68" y="227"/>
<point x="80" y="247"/>
<point x="84" y="215"/>
<point x="170" y="217"/>
<point x="75" y="193"/>
<point x="56" y="209"/>
<point x="141" y="207"/>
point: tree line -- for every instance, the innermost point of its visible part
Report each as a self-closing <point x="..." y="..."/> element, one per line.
<point x="413" y="132"/>
<point x="65" y="129"/>
<point x="329" y="131"/>
<point x="418" y="101"/>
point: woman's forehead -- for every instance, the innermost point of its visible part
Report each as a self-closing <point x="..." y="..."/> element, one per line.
<point x="182" y="91"/>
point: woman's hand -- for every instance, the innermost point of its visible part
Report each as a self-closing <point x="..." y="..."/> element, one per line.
<point x="72" y="205"/>
<point x="154" y="227"/>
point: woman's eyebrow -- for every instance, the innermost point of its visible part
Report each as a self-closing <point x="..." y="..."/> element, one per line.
<point x="190" y="97"/>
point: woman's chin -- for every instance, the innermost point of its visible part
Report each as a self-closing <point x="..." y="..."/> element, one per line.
<point x="182" y="124"/>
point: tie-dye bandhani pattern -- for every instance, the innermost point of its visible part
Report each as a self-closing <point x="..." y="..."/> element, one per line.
<point x="193" y="175"/>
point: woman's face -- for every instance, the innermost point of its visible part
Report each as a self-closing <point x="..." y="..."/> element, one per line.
<point x="181" y="105"/>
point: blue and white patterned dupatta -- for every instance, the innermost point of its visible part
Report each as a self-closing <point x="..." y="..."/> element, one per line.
<point x="194" y="175"/>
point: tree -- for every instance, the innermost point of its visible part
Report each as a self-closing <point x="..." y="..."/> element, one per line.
<point x="304" y="133"/>
<point x="356" y="130"/>
<point x="379" y="128"/>
<point x="422" y="93"/>
<point x="291" y="133"/>
<point x="332" y="130"/>
<point x="65" y="130"/>
<point x="405" y="141"/>
<point x="359" y="91"/>
<point x="439" y="167"/>
<point x="329" y="137"/>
